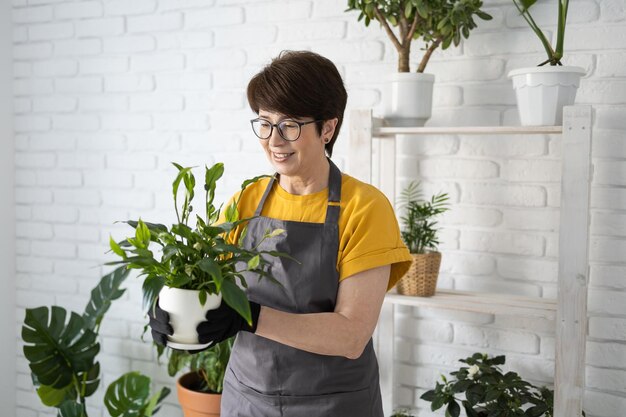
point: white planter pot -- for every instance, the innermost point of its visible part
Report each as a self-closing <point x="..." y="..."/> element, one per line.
<point x="543" y="91"/>
<point x="408" y="99"/>
<point x="186" y="313"/>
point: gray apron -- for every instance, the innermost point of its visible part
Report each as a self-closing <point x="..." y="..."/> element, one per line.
<point x="266" y="378"/>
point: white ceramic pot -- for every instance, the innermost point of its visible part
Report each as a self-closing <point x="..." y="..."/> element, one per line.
<point x="543" y="91"/>
<point x="408" y="99"/>
<point x="186" y="313"/>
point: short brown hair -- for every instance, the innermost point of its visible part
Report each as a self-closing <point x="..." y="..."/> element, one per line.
<point x="300" y="84"/>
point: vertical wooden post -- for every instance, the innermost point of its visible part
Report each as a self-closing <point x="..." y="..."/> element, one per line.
<point x="571" y="326"/>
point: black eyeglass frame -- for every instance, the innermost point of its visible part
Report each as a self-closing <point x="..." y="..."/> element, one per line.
<point x="275" y="125"/>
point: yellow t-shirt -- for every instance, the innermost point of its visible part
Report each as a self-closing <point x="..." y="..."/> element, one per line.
<point x="369" y="235"/>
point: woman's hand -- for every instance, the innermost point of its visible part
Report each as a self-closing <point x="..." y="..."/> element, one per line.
<point x="225" y="322"/>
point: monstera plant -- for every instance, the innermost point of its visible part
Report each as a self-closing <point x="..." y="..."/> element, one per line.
<point x="61" y="353"/>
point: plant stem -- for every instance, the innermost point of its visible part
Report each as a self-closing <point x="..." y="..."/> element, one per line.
<point x="531" y="22"/>
<point x="428" y="53"/>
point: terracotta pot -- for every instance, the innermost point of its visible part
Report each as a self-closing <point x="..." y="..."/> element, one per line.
<point x="195" y="403"/>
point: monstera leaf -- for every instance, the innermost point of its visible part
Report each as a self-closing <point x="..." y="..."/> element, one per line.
<point x="107" y="290"/>
<point x="58" y="351"/>
<point x="71" y="409"/>
<point x="129" y="396"/>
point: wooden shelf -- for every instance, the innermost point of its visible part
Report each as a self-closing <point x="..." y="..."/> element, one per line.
<point x="379" y="130"/>
<point x="500" y="304"/>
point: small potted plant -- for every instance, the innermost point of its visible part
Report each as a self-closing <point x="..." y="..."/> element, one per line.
<point x="62" y="353"/>
<point x="489" y="392"/>
<point x="201" y="383"/>
<point x="544" y="90"/>
<point x="194" y="268"/>
<point x="419" y="233"/>
<point x="438" y="23"/>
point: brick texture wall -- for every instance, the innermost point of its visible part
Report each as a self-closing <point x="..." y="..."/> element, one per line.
<point x="108" y="92"/>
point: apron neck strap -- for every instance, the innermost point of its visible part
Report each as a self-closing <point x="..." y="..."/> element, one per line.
<point x="334" y="194"/>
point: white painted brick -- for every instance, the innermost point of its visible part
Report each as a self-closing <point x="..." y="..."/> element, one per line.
<point x="23" y="412"/>
<point x="472" y="264"/>
<point x="154" y="23"/>
<point x="79" y="85"/>
<point x="424" y="330"/>
<point x="160" y="62"/>
<point x="233" y="36"/>
<point x="104" y="65"/>
<point x="541" y="219"/>
<point x="497" y="286"/>
<point x="76" y="233"/>
<point x="54" y="104"/>
<point x="610" y="172"/>
<point x="100" y="27"/>
<point x="606" y="249"/>
<point x="32" y="51"/>
<point x="32" y="264"/>
<point x="77" y="197"/>
<point x="76" y="268"/>
<point x="80" y="160"/>
<point x="128" y="83"/>
<point x="20" y="34"/>
<point x="34" y="231"/>
<point x="133" y="162"/>
<point x="458" y="168"/>
<point x="31" y="123"/>
<point x="521" y="342"/>
<point x="23" y="212"/>
<point x="55" y="68"/>
<point x="51" y="142"/>
<point x="472" y="216"/>
<point x="128" y="199"/>
<point x="219" y="58"/>
<point x="532" y="170"/>
<point x="528" y="269"/>
<point x="509" y="42"/>
<point x="608" y="328"/>
<point x="126" y="8"/>
<point x="447" y="96"/>
<point x="278" y="11"/>
<point x="54" y="249"/>
<point x="465" y="117"/>
<point x="96" y="252"/>
<point x="35" y="160"/>
<point x="76" y="122"/>
<point x="601" y="92"/>
<point x="183" y="82"/>
<point x="101" y="142"/>
<point x="507" y="195"/>
<point x="29" y="87"/>
<point x="608" y="144"/>
<point x="22" y="69"/>
<point x="50" y="31"/>
<point x="78" y="10"/>
<point x="488" y="94"/>
<point x="608" y="198"/>
<point x="62" y="285"/>
<point x="513" y="243"/>
<point x="611" y="224"/>
<point x="182" y="121"/>
<point x="184" y="40"/>
<point x="32" y="195"/>
<point x="349" y="52"/>
<point x="609" y="355"/>
<point x="546" y="14"/>
<point x="313" y="31"/>
<point x="32" y="14"/>
<point x="594" y="37"/>
<point x="167" y="5"/>
<point x="21" y="142"/>
<point x="612" y="10"/>
<point x="25" y="177"/>
<point x="202" y="101"/>
<point x="129" y="44"/>
<point x="611" y="64"/>
<point x="78" y="47"/>
<point x="547" y="348"/>
<point x="201" y="143"/>
<point x="606" y="302"/>
<point x="467" y="70"/>
<point x="213" y="17"/>
<point x="126" y="122"/>
<point x="101" y="102"/>
<point x="156" y="102"/>
<point x="605" y="379"/>
<point x="59" y="178"/>
<point x="438" y="355"/>
<point x="108" y="179"/>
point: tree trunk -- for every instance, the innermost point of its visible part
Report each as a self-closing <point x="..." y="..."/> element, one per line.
<point x="403" y="60"/>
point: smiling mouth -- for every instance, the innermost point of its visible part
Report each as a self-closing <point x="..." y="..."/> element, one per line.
<point x="281" y="156"/>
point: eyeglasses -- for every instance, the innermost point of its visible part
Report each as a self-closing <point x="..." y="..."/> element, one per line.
<point x="287" y="129"/>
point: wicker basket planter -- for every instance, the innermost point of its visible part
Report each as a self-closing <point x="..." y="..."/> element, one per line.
<point x="421" y="279"/>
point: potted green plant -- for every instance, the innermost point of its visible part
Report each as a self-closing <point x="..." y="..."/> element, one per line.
<point x="489" y="392"/>
<point x="61" y="354"/>
<point x="419" y="233"/>
<point x="194" y="267"/>
<point x="437" y="23"/>
<point x="544" y="90"/>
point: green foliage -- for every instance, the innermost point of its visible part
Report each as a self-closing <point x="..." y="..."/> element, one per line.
<point x="402" y="412"/>
<point x="61" y="352"/>
<point x="436" y="22"/>
<point x="199" y="258"/>
<point x="419" y="230"/>
<point x="554" y="54"/>
<point x="489" y="392"/>
<point x="129" y="396"/>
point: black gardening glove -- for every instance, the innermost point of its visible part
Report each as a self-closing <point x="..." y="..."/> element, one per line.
<point x="225" y="322"/>
<point x="160" y="324"/>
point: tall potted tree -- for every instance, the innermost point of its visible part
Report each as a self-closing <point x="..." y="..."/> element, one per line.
<point x="438" y="23"/>
<point x="544" y="90"/>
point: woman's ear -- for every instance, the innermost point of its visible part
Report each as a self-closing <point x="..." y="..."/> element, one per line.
<point x="328" y="130"/>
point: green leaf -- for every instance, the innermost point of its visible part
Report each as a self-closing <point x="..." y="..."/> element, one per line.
<point x="142" y="235"/>
<point x="202" y="297"/>
<point x="155" y="401"/>
<point x="53" y="397"/>
<point x="527" y="4"/>
<point x="116" y="248"/>
<point x="212" y="268"/>
<point x="254" y="262"/>
<point x="429" y="395"/>
<point x="71" y="409"/>
<point x="127" y="395"/>
<point x="276" y="232"/>
<point x="469" y="410"/>
<point x="211" y="176"/>
<point x="91" y="380"/>
<point x="57" y="351"/>
<point x="107" y="290"/>
<point x="437" y="403"/>
<point x="151" y="288"/>
<point x="453" y="410"/>
<point x="236" y="299"/>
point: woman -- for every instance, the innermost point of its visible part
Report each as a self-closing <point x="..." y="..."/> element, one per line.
<point x="309" y="350"/>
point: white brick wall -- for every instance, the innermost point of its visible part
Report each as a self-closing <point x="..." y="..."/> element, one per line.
<point x="108" y="92"/>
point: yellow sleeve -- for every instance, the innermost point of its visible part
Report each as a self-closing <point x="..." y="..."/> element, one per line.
<point x="371" y="237"/>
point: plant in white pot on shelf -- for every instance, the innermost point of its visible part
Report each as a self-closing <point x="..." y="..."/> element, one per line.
<point x="544" y="90"/>
<point x="194" y="268"/>
<point x="438" y="23"/>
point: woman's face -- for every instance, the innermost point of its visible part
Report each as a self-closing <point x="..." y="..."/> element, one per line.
<point x="301" y="158"/>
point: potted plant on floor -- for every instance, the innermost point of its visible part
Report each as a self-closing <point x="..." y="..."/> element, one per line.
<point x="419" y="233"/>
<point x="194" y="268"/>
<point x="438" y="23"/>
<point x="61" y="354"/>
<point x="544" y="90"/>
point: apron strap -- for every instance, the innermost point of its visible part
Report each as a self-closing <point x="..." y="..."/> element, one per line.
<point x="334" y="194"/>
